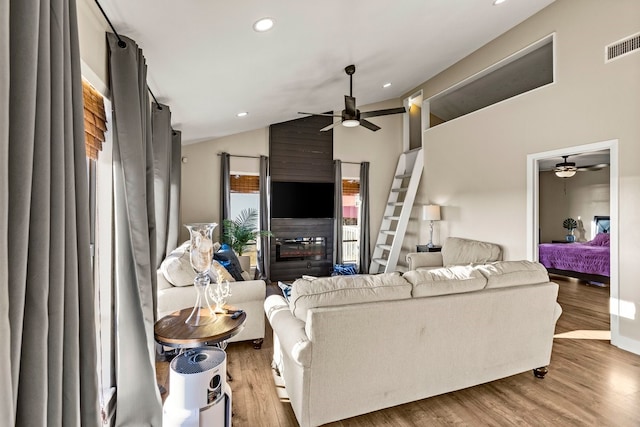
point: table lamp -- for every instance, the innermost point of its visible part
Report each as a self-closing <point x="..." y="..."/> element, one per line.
<point x="431" y="213"/>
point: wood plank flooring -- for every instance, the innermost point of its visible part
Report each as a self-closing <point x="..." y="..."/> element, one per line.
<point x="590" y="383"/>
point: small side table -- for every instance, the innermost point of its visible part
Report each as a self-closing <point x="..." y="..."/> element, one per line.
<point x="425" y="248"/>
<point x="172" y="330"/>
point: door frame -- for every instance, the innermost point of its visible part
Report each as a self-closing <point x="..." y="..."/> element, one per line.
<point x="533" y="216"/>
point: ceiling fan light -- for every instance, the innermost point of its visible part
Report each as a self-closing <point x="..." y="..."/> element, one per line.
<point x="350" y="123"/>
<point x="565" y="172"/>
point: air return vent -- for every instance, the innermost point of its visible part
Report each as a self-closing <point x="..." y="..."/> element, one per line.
<point x="622" y="48"/>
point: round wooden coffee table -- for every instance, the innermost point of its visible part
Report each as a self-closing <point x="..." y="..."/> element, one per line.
<point x="172" y="330"/>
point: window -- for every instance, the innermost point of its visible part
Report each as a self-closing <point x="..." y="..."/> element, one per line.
<point x="528" y="69"/>
<point x="245" y="194"/>
<point x="98" y="150"/>
<point x="350" y="220"/>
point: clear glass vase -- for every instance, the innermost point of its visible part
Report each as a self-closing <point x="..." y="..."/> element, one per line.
<point x="201" y="254"/>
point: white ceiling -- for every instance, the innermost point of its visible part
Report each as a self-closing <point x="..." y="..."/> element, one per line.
<point x="206" y="62"/>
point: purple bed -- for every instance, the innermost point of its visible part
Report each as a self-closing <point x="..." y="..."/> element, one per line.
<point x="587" y="261"/>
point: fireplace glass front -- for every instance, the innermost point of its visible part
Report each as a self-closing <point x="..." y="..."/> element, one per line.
<point x="301" y="248"/>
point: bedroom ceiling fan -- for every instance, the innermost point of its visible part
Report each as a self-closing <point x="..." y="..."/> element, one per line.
<point x="566" y="169"/>
<point x="351" y="116"/>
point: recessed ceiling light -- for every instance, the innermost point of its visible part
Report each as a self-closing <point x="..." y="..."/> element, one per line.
<point x="263" y="24"/>
<point x="242" y="114"/>
<point x="386" y="84"/>
<point x="497" y="2"/>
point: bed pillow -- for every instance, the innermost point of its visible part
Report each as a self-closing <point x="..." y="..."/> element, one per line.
<point x="601" y="239"/>
<point x="229" y="260"/>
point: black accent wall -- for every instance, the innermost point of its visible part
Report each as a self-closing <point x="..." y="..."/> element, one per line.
<point x="299" y="152"/>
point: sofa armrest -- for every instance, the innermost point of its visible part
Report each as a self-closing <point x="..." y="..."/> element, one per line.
<point x="163" y="283"/>
<point x="424" y="259"/>
<point x="289" y="329"/>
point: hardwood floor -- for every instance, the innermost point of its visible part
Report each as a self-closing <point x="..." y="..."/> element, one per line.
<point x="590" y="383"/>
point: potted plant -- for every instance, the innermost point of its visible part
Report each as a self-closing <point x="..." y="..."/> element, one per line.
<point x="241" y="232"/>
<point x="570" y="224"/>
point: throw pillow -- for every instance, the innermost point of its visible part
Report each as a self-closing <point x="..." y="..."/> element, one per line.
<point x="229" y="260"/>
<point x="286" y="290"/>
<point x="601" y="239"/>
<point x="176" y="267"/>
<point x="218" y="270"/>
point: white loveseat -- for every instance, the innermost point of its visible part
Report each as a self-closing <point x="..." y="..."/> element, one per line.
<point x="176" y="291"/>
<point x="350" y="345"/>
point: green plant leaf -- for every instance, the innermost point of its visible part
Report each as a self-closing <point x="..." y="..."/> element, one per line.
<point x="242" y="231"/>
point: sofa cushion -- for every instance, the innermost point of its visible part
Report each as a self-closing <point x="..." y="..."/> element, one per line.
<point x="340" y="290"/>
<point x="457" y="251"/>
<point x="229" y="260"/>
<point x="221" y="272"/>
<point x="504" y="274"/>
<point x="445" y="281"/>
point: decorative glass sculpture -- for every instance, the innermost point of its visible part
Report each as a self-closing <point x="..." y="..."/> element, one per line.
<point x="201" y="254"/>
<point x="219" y="294"/>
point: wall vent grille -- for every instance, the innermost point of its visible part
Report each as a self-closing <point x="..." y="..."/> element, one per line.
<point x="621" y="48"/>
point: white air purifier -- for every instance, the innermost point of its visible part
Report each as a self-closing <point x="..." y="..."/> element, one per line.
<point x="199" y="395"/>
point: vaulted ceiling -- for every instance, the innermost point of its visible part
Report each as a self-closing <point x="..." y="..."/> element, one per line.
<point x="208" y="64"/>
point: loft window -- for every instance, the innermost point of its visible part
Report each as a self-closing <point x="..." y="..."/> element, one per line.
<point x="528" y="69"/>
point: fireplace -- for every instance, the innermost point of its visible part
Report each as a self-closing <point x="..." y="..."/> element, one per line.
<point x="301" y="249"/>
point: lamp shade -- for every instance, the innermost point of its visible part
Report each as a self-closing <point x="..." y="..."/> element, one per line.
<point x="431" y="213"/>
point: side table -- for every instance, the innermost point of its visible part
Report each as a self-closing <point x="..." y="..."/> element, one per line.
<point x="172" y="330"/>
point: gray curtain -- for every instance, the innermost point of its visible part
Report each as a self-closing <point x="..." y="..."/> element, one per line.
<point x="48" y="370"/>
<point x="173" y="222"/>
<point x="161" y="136"/>
<point x="264" y="258"/>
<point x="337" y="206"/>
<point x="138" y="400"/>
<point x="6" y="372"/>
<point x="225" y="190"/>
<point x="365" y="242"/>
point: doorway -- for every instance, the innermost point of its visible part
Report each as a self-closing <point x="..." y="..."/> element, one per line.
<point x="534" y="162"/>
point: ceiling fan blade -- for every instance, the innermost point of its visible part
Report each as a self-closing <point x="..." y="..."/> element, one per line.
<point x="386" y="112"/>
<point x="369" y="125"/>
<point x="331" y="126"/>
<point x="350" y="105"/>
<point x="597" y="167"/>
<point x="321" y="114"/>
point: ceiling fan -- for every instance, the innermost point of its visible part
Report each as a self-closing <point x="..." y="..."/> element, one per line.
<point x="351" y="116"/>
<point x="566" y="169"/>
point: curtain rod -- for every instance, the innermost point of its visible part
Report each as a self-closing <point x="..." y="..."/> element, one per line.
<point x="122" y="44"/>
<point x="352" y="163"/>
<point x="238" y="155"/>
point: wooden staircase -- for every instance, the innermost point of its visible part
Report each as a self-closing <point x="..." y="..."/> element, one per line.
<point x="397" y="212"/>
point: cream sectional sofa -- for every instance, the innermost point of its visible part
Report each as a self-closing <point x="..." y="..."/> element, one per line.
<point x="350" y="345"/>
<point x="176" y="291"/>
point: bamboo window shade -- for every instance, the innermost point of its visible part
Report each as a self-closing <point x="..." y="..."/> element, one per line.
<point x="95" y="120"/>
<point x="350" y="187"/>
<point x="245" y="183"/>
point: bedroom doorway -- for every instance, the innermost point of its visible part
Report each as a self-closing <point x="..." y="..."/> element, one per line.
<point x="539" y="162"/>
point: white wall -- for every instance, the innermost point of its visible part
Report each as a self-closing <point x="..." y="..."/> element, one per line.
<point x="200" y="175"/>
<point x="580" y="197"/>
<point x="475" y="166"/>
<point x="93" y="44"/>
